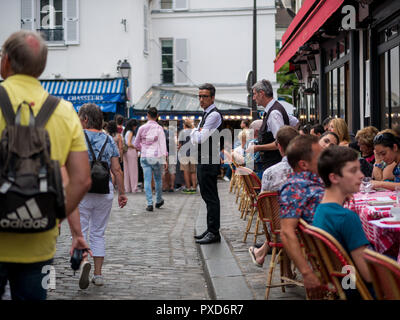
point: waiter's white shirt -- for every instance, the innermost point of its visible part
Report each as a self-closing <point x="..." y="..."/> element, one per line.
<point x="275" y="120"/>
<point x="213" y="121"/>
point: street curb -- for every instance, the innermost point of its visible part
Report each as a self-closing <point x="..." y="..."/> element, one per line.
<point x="224" y="278"/>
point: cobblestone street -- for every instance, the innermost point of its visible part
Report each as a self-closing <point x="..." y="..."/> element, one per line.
<point x="149" y="255"/>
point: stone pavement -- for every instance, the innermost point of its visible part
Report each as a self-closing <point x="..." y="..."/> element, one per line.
<point x="153" y="256"/>
<point x="232" y="229"/>
<point x="149" y="255"/>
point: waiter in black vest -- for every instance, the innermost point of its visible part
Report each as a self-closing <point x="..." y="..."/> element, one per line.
<point x="206" y="136"/>
<point x="275" y="116"/>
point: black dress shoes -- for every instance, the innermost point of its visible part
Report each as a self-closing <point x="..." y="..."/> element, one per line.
<point x="149" y="208"/>
<point x="209" y="238"/>
<point x="158" y="205"/>
<point x="201" y="236"/>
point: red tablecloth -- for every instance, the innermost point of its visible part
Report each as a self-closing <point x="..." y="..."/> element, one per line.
<point x="387" y="237"/>
<point x="384" y="237"/>
<point x="359" y="205"/>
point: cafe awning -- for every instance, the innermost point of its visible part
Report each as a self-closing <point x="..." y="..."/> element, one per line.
<point x="311" y="16"/>
<point x="178" y="105"/>
<point x="106" y="93"/>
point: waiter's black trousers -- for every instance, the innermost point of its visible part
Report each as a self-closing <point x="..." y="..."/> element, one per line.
<point x="207" y="177"/>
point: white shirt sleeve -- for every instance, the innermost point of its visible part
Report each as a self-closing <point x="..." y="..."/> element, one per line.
<point x="213" y="121"/>
<point x="293" y="121"/>
<point x="275" y="122"/>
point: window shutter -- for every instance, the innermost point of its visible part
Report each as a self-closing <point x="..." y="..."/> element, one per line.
<point x="28" y="15"/>
<point x="181" y="61"/>
<point x="71" y="21"/>
<point x="181" y="4"/>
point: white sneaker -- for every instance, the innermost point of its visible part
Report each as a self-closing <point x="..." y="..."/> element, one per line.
<point x="84" y="275"/>
<point x="226" y="178"/>
<point x="98" y="280"/>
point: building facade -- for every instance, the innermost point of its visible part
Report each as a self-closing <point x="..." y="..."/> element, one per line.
<point x="346" y="57"/>
<point x="174" y="45"/>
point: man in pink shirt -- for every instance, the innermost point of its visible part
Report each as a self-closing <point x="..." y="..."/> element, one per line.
<point x="150" y="140"/>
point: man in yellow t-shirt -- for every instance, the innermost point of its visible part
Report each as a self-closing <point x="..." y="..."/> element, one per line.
<point x="23" y="256"/>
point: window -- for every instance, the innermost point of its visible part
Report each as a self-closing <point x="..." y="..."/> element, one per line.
<point x="389" y="75"/>
<point x="338" y="93"/>
<point x="51" y="20"/>
<point x="167" y="75"/>
<point x="337" y="78"/>
<point x="390" y="88"/>
<point x="166" y="4"/>
<point x="56" y="20"/>
<point x="173" y="4"/>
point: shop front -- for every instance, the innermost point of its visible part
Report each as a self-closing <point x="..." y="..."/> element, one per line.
<point x="348" y="70"/>
<point x="108" y="94"/>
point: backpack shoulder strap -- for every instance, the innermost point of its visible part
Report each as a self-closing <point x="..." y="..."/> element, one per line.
<point x="6" y="107"/>
<point x="90" y="146"/>
<point x="46" y="111"/>
<point x="102" y="149"/>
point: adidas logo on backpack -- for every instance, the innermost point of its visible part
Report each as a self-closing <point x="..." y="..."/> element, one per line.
<point x="31" y="190"/>
<point x="25" y="217"/>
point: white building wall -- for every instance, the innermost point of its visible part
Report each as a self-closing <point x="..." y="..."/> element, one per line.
<point x="219" y="37"/>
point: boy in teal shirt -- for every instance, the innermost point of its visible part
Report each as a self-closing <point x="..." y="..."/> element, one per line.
<point x="339" y="169"/>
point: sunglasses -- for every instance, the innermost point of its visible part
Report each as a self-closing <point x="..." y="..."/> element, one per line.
<point x="384" y="137"/>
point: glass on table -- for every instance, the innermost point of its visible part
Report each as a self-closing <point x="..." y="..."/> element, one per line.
<point x="366" y="185"/>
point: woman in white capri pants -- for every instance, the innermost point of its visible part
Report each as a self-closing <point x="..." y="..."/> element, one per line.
<point x="95" y="208"/>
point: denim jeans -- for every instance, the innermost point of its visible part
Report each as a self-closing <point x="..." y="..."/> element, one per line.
<point x="228" y="172"/>
<point x="26" y="280"/>
<point x="152" y="166"/>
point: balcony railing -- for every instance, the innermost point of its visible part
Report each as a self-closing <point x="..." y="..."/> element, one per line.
<point x="52" y="35"/>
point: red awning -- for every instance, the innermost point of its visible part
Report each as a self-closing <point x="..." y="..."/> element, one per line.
<point x="313" y="21"/>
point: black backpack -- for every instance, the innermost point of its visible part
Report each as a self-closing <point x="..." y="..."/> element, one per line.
<point x="100" y="170"/>
<point x="31" y="190"/>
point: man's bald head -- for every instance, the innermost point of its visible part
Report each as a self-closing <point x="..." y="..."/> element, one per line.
<point x="26" y="52"/>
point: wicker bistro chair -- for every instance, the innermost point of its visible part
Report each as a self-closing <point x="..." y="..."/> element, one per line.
<point x="252" y="186"/>
<point x="268" y="211"/>
<point x="315" y="260"/>
<point x="334" y="258"/>
<point x="385" y="274"/>
<point x="234" y="178"/>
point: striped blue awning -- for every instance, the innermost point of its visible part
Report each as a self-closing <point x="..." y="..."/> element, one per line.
<point x="105" y="92"/>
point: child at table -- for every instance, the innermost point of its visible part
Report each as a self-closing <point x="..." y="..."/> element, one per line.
<point x="339" y="169"/>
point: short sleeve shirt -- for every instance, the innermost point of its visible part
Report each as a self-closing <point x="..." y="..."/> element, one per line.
<point x="97" y="140"/>
<point x="300" y="196"/>
<point x="66" y="135"/>
<point x="343" y="224"/>
<point x="275" y="176"/>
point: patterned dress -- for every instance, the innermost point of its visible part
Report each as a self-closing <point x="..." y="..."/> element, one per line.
<point x="300" y="196"/>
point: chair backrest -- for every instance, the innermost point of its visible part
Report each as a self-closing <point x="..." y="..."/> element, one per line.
<point x="315" y="259"/>
<point x="335" y="258"/>
<point x="385" y="274"/>
<point x="268" y="209"/>
<point x="251" y="182"/>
